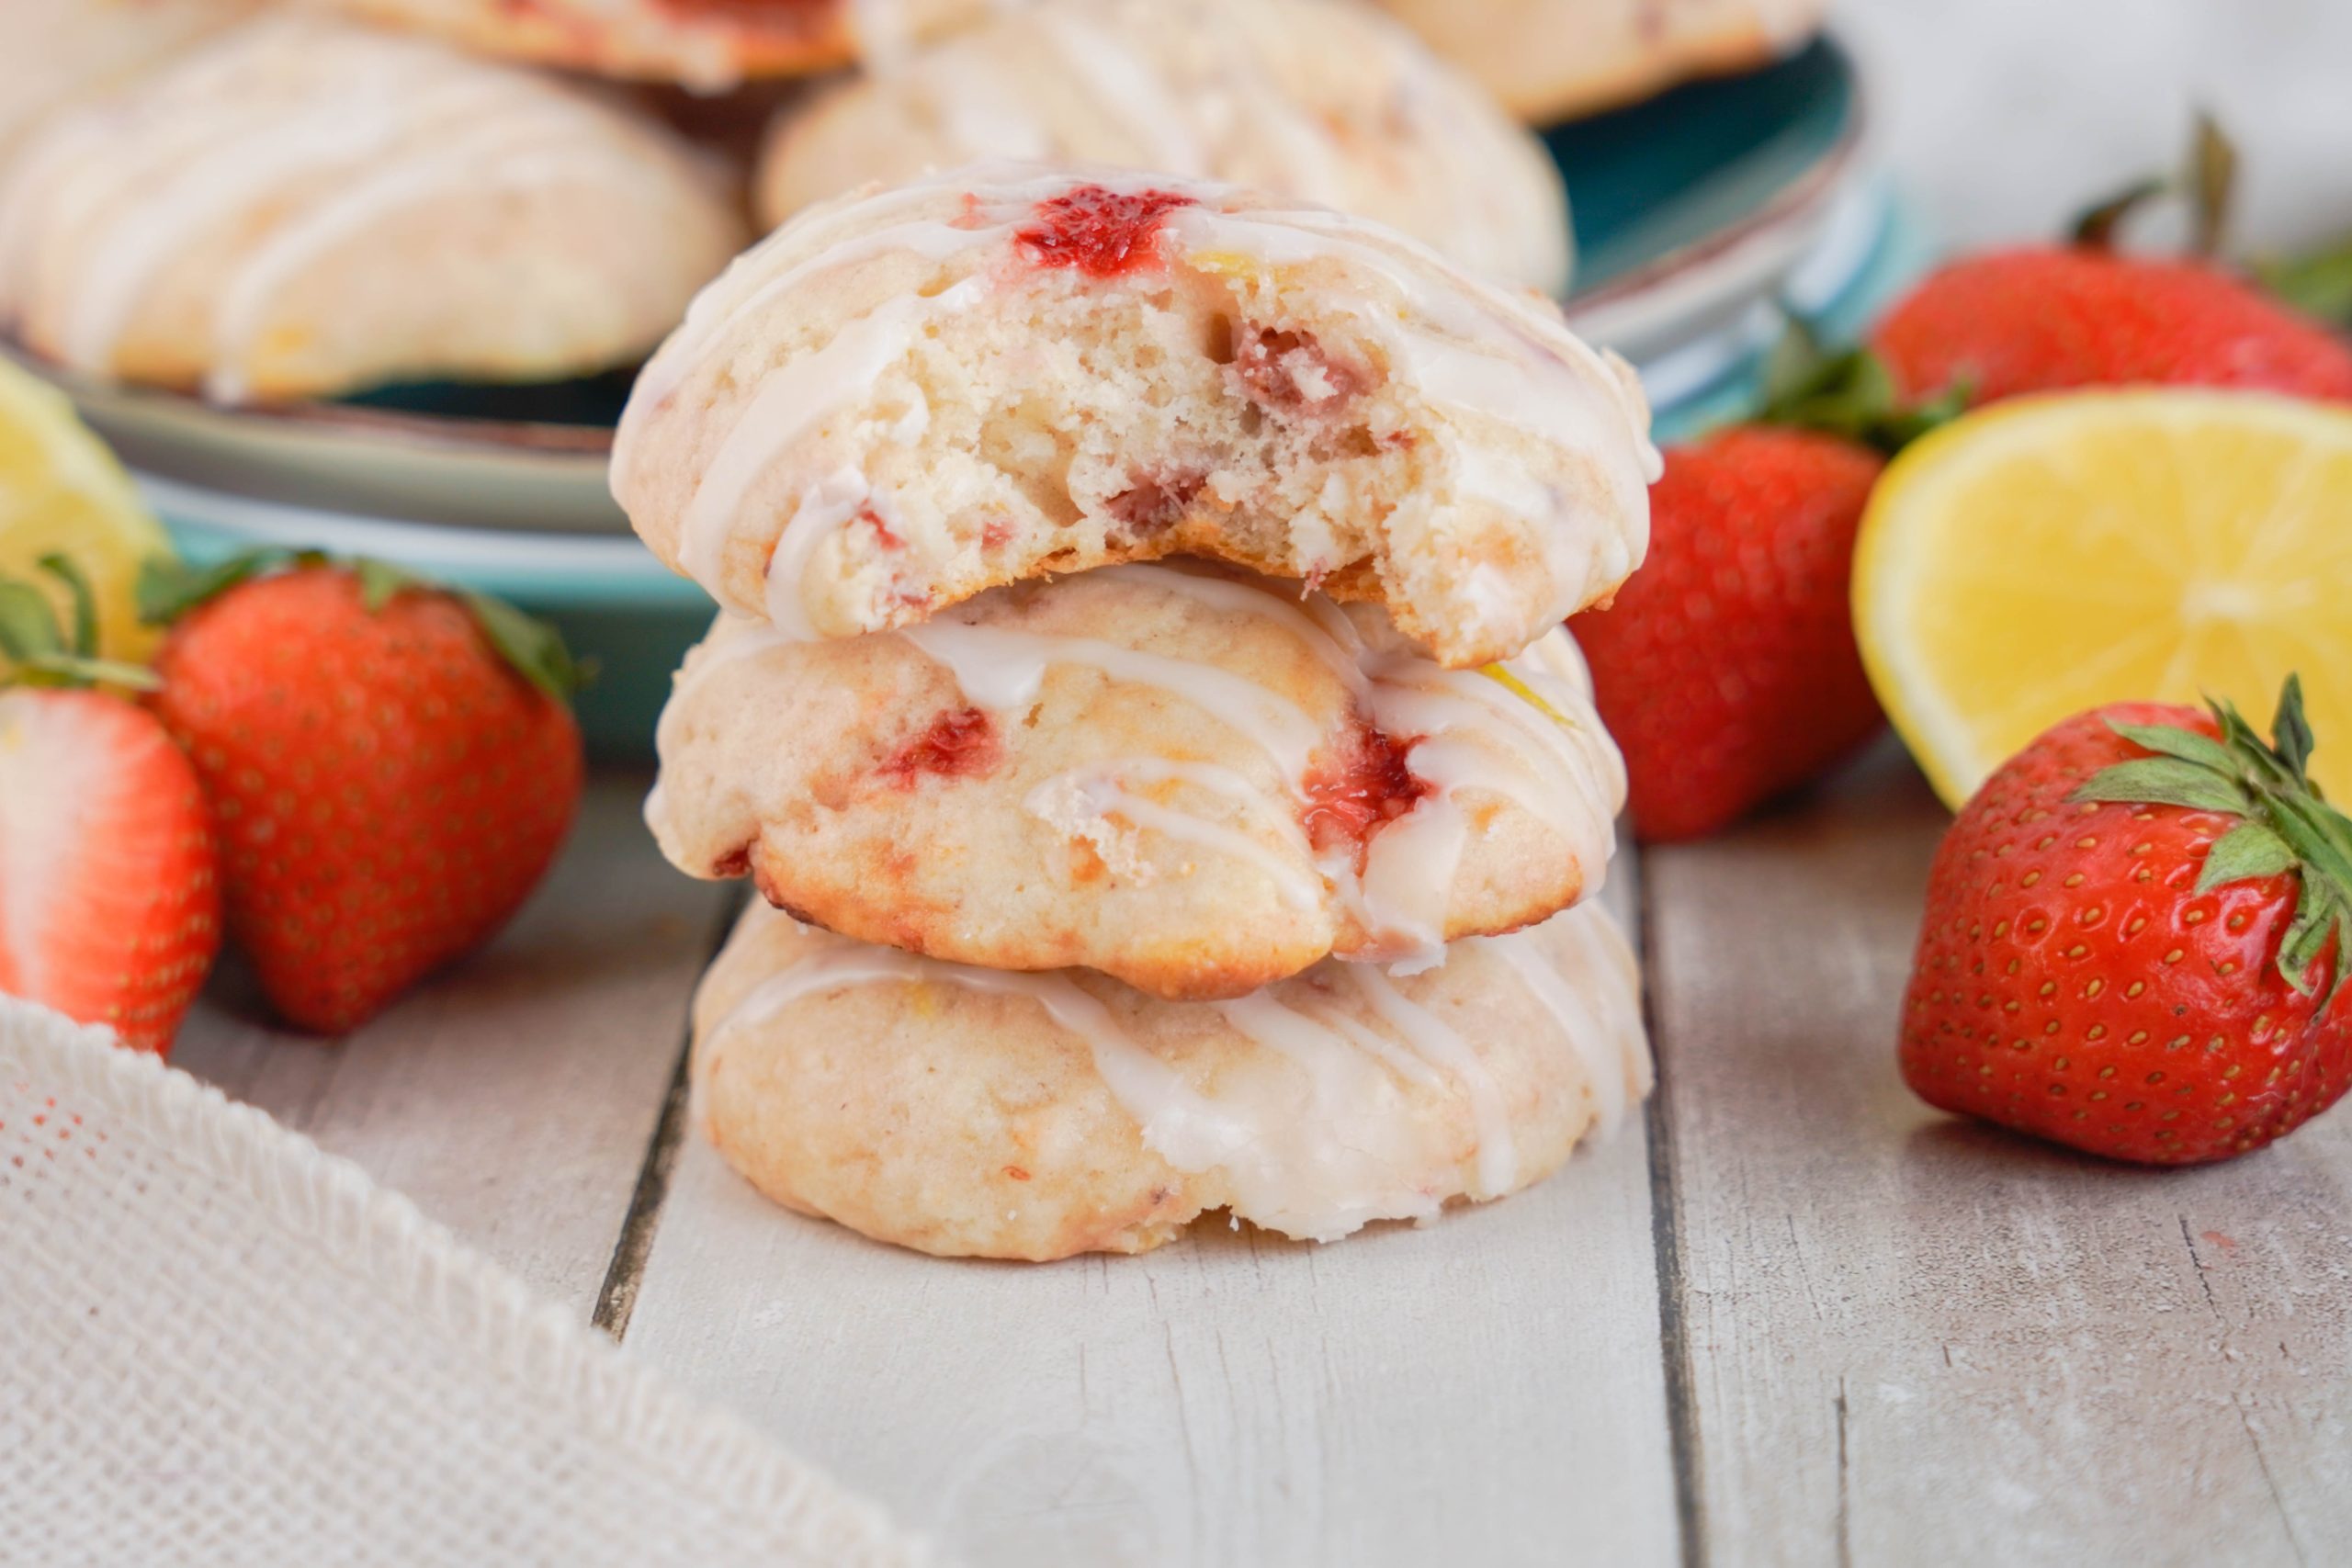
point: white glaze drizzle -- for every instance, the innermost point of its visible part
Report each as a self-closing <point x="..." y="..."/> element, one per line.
<point x="1436" y="1043"/>
<point x="1347" y="1151"/>
<point x="1465" y="345"/>
<point x="1596" y="1017"/>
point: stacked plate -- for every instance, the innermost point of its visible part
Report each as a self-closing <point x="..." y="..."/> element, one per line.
<point x="1698" y="214"/>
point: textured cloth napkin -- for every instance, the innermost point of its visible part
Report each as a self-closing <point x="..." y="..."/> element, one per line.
<point x="218" y="1344"/>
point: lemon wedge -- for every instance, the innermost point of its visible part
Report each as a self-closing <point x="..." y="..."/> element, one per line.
<point x="62" y="493"/>
<point x="2053" y="554"/>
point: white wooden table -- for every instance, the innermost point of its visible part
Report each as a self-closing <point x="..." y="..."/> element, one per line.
<point x="1794" y="1316"/>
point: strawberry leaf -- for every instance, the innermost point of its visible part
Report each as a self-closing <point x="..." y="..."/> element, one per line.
<point x="2170" y="740"/>
<point x="380" y="582"/>
<point x="1850" y="394"/>
<point x="533" y="648"/>
<point x="2319" y="285"/>
<point x="2245" y="854"/>
<point x="28" y="623"/>
<point x="85" y="638"/>
<point x="2290" y="732"/>
<point x="2164" y="781"/>
<point x="2097" y="229"/>
<point x="169" y="588"/>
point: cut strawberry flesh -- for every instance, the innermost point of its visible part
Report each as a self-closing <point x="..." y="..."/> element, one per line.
<point x="1356" y="793"/>
<point x="961" y="743"/>
<point x="1102" y="233"/>
<point x="1289" y="373"/>
<point x="1155" y="503"/>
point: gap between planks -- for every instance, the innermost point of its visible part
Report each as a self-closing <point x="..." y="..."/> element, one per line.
<point x="1666" y="1231"/>
<point x="617" y="1298"/>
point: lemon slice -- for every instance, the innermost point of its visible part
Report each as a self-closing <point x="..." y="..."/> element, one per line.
<point x="62" y="493"/>
<point x="2053" y="554"/>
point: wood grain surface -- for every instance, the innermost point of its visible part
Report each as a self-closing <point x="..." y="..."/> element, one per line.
<point x="513" y="1097"/>
<point x="1796" y="1317"/>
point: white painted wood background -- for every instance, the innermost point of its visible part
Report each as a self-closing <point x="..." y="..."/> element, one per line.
<point x="1795" y="1317"/>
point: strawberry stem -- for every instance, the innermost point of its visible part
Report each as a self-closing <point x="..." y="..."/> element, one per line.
<point x="2206" y="180"/>
<point x="2285" y="824"/>
<point x="1850" y="394"/>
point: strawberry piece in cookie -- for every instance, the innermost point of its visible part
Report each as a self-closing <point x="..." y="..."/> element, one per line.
<point x="1102" y="233"/>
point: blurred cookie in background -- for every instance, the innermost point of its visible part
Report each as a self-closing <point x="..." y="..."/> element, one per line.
<point x="1321" y="100"/>
<point x="709" y="45"/>
<point x="52" y="51"/>
<point x="1553" y="60"/>
<point x="304" y="207"/>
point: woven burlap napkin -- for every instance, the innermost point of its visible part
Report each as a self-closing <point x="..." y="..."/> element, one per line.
<point x="218" y="1344"/>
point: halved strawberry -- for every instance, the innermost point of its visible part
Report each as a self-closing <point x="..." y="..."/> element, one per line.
<point x="109" y="908"/>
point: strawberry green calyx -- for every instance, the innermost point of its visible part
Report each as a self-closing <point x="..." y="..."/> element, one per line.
<point x="45" y="654"/>
<point x="2287" y="824"/>
<point x="2318" y="283"/>
<point x="169" y="589"/>
<point x="1850" y="394"/>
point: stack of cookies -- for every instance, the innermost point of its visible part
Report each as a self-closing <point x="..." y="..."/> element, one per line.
<point x="1140" y="696"/>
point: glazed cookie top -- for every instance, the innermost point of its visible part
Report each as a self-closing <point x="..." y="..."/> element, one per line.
<point x="1037" y="1116"/>
<point x="301" y="205"/>
<point x="1317" y="99"/>
<point x="708" y="45"/>
<point x="1195" y="782"/>
<point x="1020" y="371"/>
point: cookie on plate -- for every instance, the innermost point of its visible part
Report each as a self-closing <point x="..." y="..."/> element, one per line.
<point x="709" y="45"/>
<point x="52" y="51"/>
<point x="970" y="1114"/>
<point x="303" y="208"/>
<point x="1020" y="371"/>
<point x="1551" y="60"/>
<point x="1323" y="100"/>
<point x="1194" y="781"/>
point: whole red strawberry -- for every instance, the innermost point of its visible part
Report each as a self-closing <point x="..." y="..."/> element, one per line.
<point x="2050" y="318"/>
<point x="1727" y="669"/>
<point x="2134" y="940"/>
<point x="109" y="908"/>
<point x="391" y="765"/>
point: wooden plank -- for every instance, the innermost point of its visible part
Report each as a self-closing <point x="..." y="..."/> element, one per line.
<point x="514" y="1097"/>
<point x="1488" y="1390"/>
<point x="1909" y="1338"/>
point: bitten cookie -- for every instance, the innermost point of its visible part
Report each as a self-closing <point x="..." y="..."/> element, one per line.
<point x="1017" y="372"/>
<point x="301" y="208"/>
<point x="709" y="45"/>
<point x="1550" y="59"/>
<point x="964" y="1112"/>
<point x="54" y="52"/>
<point x="1196" y="783"/>
<point x="1324" y="100"/>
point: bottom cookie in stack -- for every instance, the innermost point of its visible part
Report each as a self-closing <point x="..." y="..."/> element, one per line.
<point x="976" y="1113"/>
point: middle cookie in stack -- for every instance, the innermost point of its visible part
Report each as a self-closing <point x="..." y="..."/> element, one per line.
<point x="1345" y="728"/>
